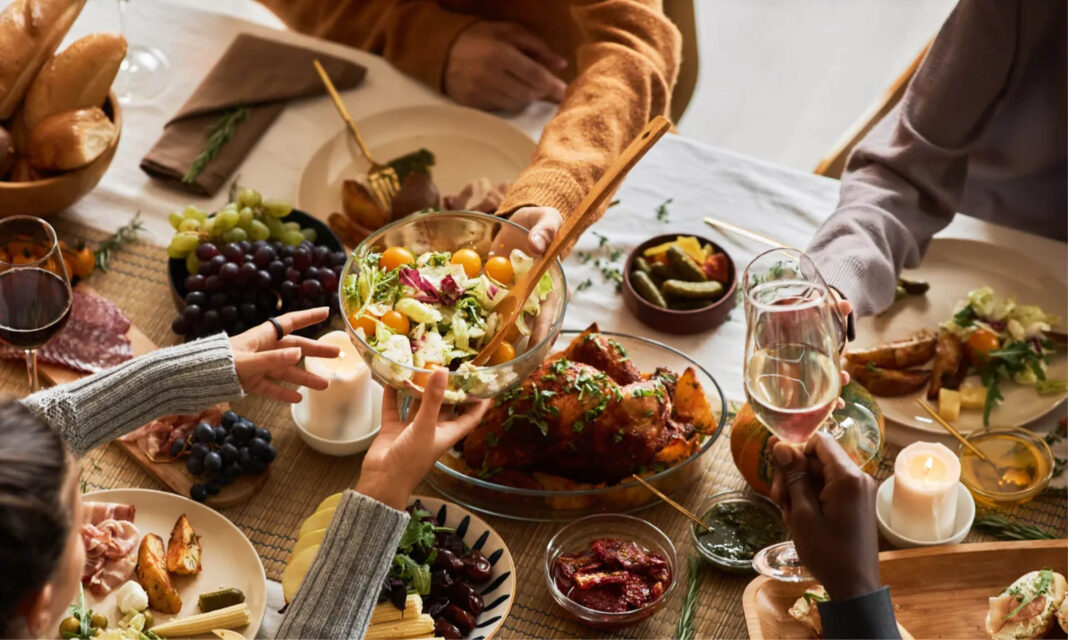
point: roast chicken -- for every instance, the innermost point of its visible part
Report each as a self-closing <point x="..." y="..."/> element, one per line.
<point x="589" y="415"/>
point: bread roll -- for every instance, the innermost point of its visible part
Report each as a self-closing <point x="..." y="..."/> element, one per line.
<point x="1026" y="608"/>
<point x="79" y="77"/>
<point x="30" y="31"/>
<point x="7" y="153"/>
<point x="70" y="140"/>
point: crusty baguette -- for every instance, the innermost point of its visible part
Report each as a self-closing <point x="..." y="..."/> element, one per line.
<point x="1035" y="618"/>
<point x="30" y="31"/>
<point x="1062" y="615"/>
<point x="78" y="77"/>
<point x="70" y="140"/>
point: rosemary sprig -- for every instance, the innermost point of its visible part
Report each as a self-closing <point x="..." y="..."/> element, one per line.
<point x="688" y="617"/>
<point x="123" y="236"/>
<point x="219" y="133"/>
<point x="997" y="525"/>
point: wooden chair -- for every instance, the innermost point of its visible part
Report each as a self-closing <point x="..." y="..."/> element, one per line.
<point x="681" y="12"/>
<point x="833" y="164"/>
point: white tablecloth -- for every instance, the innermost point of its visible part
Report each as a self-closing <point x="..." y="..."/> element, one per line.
<point x="701" y="180"/>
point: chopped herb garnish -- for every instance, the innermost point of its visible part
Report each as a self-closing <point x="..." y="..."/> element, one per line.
<point x="662" y="210"/>
<point x="585" y="284"/>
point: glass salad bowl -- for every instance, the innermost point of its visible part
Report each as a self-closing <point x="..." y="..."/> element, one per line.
<point x="552" y="498"/>
<point x="452" y="231"/>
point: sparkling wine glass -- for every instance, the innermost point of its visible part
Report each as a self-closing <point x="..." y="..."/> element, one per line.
<point x="144" y="71"/>
<point x="795" y="334"/>
<point x="35" y="294"/>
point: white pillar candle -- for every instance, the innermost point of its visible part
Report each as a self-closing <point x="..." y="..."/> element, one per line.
<point x="924" y="506"/>
<point x="342" y="411"/>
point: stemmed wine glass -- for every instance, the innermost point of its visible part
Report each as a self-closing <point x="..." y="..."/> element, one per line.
<point x="795" y="334"/>
<point x="35" y="294"/>
<point x="144" y="70"/>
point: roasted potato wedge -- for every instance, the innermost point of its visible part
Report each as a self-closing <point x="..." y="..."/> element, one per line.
<point x="152" y="573"/>
<point x="358" y="204"/>
<point x="183" y="550"/>
<point x="691" y="403"/>
<point x="350" y="233"/>
<point x="949" y="364"/>
<point x="900" y="354"/>
<point x="888" y="382"/>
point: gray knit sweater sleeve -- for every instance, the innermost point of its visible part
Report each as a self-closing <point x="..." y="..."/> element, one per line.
<point x="341" y="587"/>
<point x="182" y="379"/>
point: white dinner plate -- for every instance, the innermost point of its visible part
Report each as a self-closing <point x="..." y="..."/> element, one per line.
<point x="467" y="144"/>
<point x="954" y="267"/>
<point x="228" y="559"/>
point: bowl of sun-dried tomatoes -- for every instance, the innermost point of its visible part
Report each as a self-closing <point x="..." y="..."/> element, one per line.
<point x="610" y="570"/>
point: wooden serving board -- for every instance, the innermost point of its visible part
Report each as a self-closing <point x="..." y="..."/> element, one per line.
<point x="938" y="592"/>
<point x="172" y="474"/>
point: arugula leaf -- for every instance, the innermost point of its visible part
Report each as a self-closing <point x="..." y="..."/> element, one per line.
<point x="1045" y="579"/>
<point x="418" y="533"/>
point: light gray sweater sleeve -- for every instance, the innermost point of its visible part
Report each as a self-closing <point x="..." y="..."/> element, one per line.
<point x="338" y="594"/>
<point x="905" y="179"/>
<point x="181" y="379"/>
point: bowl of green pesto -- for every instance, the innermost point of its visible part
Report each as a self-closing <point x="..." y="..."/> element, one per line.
<point x="742" y="524"/>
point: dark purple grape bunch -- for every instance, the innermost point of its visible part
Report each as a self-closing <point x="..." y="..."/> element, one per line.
<point x="219" y="455"/>
<point x="242" y="284"/>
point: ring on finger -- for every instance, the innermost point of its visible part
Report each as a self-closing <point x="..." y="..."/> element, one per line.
<point x="278" y="331"/>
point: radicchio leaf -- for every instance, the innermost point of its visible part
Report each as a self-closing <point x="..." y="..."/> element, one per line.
<point x="450" y="291"/>
<point x="425" y="291"/>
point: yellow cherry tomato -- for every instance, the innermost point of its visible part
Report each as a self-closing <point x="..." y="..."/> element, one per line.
<point x="397" y="321"/>
<point x="394" y="257"/>
<point x="982" y="342"/>
<point x="470" y="260"/>
<point x="500" y="269"/>
<point x="364" y="322"/>
<point x="504" y="353"/>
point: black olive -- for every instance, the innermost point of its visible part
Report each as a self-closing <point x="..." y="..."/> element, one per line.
<point x="463" y="620"/>
<point x="445" y="629"/>
<point x="476" y="567"/>
<point x="462" y="595"/>
<point x="440" y="580"/>
<point x="449" y="540"/>
<point x="434" y="604"/>
<point x="448" y="561"/>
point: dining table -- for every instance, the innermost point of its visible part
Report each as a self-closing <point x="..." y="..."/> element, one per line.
<point x="679" y="182"/>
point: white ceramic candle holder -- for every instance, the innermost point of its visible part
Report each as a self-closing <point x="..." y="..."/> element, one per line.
<point x="961" y="527"/>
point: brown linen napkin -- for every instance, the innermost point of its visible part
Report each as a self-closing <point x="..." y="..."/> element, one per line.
<point x="254" y="72"/>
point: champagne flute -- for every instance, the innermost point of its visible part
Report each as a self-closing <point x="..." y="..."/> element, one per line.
<point x="144" y="71"/>
<point x="35" y="293"/>
<point x="794" y="336"/>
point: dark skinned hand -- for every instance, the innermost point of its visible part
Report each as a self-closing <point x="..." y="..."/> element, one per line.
<point x="829" y="505"/>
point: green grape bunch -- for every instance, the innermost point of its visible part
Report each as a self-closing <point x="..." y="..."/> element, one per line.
<point x="248" y="217"/>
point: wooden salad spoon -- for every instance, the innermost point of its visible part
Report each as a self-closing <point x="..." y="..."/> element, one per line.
<point x="511" y="306"/>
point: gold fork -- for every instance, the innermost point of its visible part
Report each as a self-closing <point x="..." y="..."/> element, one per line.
<point x="382" y="178"/>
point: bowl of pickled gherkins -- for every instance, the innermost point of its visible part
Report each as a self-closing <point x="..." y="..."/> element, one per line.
<point x="679" y="284"/>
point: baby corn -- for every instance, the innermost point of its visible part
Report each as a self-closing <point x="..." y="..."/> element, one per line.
<point x="423" y="625"/>
<point x="233" y="617"/>
<point x="386" y="612"/>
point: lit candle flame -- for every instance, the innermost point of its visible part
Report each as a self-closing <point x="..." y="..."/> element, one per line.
<point x="928" y="464"/>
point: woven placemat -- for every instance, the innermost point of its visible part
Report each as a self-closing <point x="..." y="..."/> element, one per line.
<point x="300" y="478"/>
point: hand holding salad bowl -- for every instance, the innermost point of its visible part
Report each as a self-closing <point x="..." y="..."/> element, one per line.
<point x="421" y="294"/>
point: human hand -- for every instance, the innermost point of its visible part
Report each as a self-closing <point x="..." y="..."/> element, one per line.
<point x="262" y="359"/>
<point x="501" y="65"/>
<point x="403" y="453"/>
<point x="829" y="505"/>
<point x="542" y="222"/>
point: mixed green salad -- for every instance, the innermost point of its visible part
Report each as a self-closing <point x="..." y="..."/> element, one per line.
<point x="437" y="308"/>
<point x="1009" y="342"/>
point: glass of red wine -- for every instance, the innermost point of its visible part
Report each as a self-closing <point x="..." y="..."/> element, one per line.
<point x="35" y="293"/>
<point x="795" y="334"/>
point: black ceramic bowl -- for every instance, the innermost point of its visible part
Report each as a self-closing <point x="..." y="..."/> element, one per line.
<point x="325" y="235"/>
<point x="670" y="320"/>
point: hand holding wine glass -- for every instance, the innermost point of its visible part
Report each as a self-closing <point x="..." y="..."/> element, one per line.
<point x="35" y="293"/>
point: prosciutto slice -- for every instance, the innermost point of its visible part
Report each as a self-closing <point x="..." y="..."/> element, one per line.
<point x="156" y="437"/>
<point x="1002" y="605"/>
<point x="110" y="538"/>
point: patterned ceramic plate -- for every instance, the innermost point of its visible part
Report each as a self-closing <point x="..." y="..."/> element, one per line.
<point x="499" y="593"/>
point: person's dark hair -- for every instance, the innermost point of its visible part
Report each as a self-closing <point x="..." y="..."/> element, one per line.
<point x="35" y="517"/>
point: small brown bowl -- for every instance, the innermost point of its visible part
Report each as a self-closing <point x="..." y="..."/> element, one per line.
<point x="55" y="193"/>
<point x="670" y="320"/>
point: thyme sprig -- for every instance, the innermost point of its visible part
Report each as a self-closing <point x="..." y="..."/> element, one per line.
<point x="685" y="629"/>
<point x="219" y="133"/>
<point x="124" y="235"/>
<point x="1001" y="527"/>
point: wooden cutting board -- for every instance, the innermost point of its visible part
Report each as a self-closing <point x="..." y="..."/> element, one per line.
<point x="171" y="474"/>
<point x="938" y="592"/>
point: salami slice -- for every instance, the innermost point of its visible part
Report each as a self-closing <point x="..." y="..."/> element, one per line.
<point x="93" y="339"/>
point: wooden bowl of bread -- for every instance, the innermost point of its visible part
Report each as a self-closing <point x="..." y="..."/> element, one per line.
<point x="59" y="120"/>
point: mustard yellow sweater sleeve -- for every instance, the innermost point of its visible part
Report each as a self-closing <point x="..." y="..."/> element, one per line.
<point x="414" y="35"/>
<point x="627" y="63"/>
